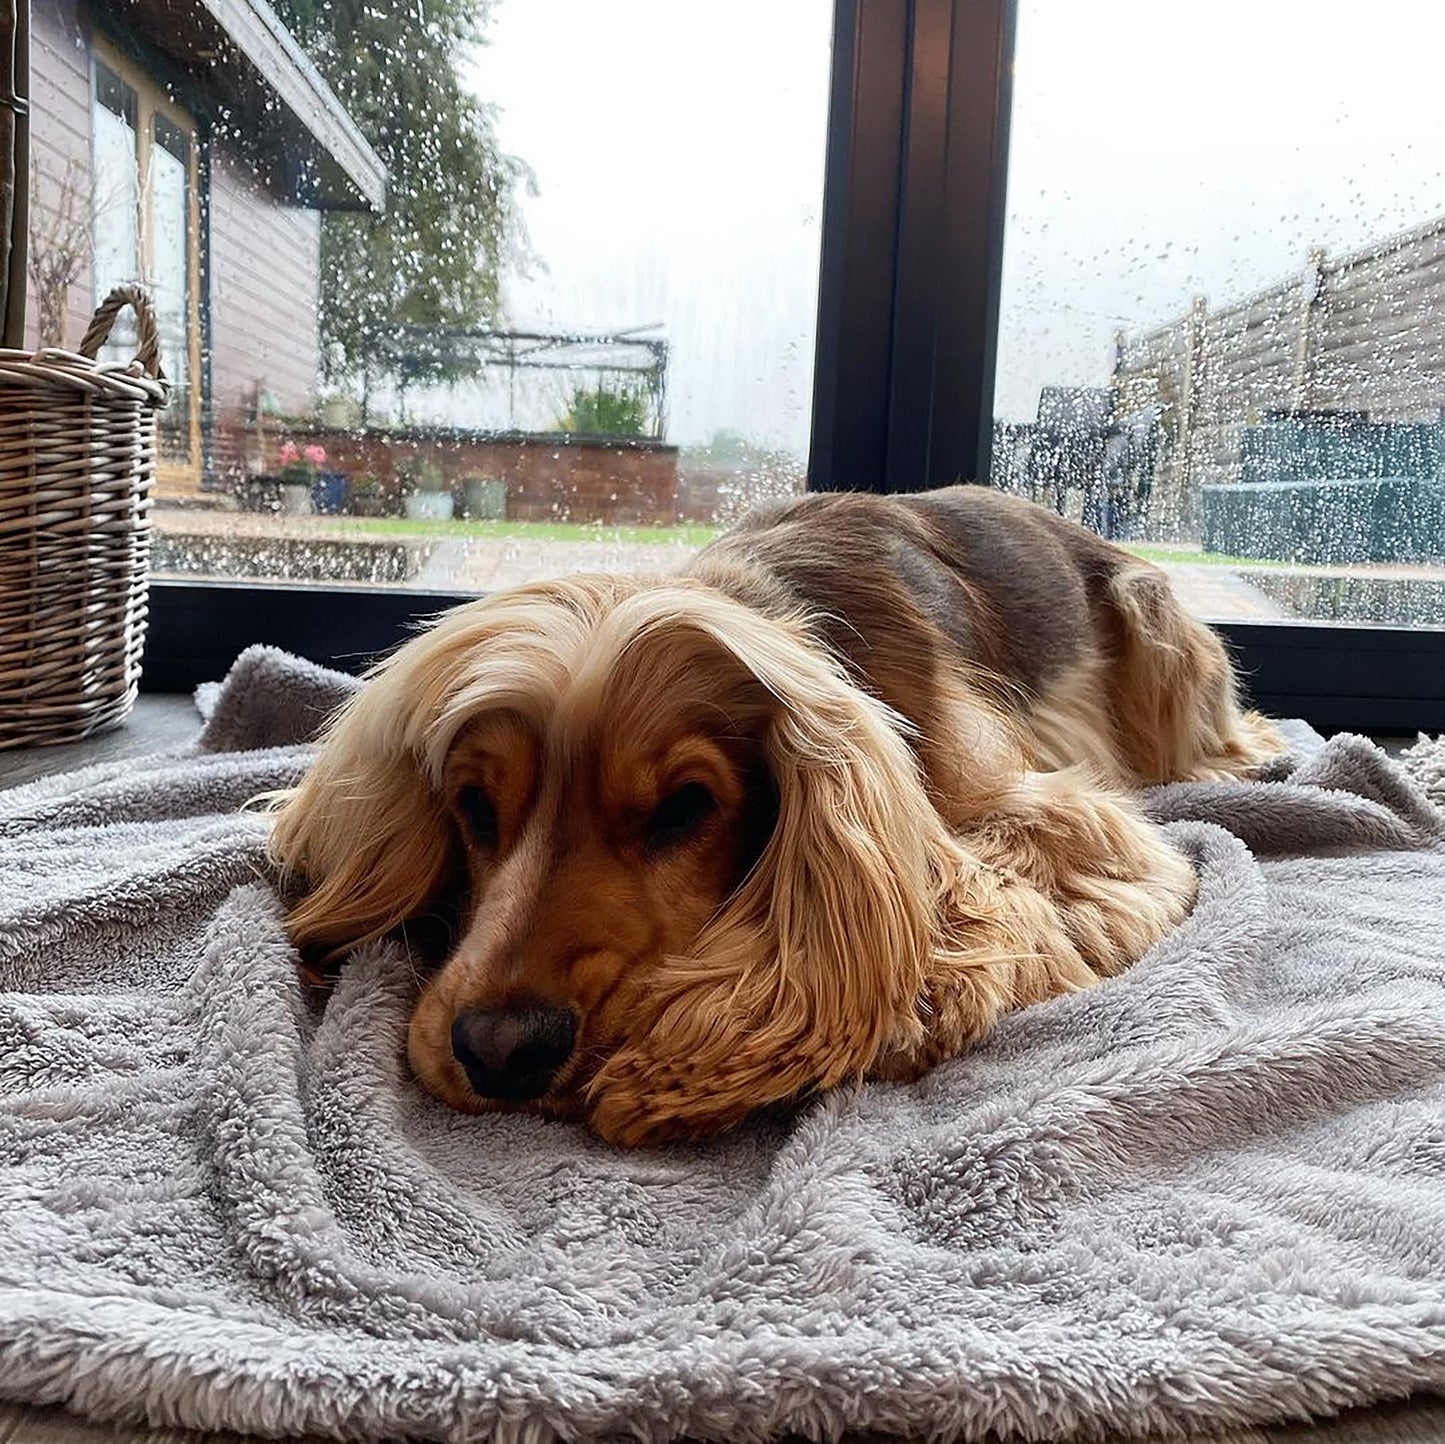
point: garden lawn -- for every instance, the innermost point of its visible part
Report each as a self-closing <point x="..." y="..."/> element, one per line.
<point x="1189" y="556"/>
<point x="686" y="535"/>
<point x="690" y="534"/>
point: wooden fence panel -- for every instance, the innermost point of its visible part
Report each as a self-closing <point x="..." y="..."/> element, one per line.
<point x="1363" y="333"/>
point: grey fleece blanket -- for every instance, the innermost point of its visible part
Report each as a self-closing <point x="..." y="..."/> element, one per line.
<point x="1211" y="1191"/>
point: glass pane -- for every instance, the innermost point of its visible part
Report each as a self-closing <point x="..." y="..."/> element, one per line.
<point x="171" y="138"/>
<point x="170" y="248"/>
<point x="114" y="95"/>
<point x="578" y="333"/>
<point x="1221" y="328"/>
<point x="115" y="200"/>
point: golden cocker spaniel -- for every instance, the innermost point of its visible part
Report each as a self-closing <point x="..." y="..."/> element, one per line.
<point x="813" y="810"/>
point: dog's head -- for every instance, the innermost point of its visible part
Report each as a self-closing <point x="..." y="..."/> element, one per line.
<point x="693" y="866"/>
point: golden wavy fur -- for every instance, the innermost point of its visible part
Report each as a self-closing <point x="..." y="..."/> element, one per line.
<point x="814" y="811"/>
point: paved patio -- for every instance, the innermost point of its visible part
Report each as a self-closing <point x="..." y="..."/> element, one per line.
<point x="444" y="563"/>
<point x="482" y="563"/>
<point x="1217" y="593"/>
<point x="486" y="564"/>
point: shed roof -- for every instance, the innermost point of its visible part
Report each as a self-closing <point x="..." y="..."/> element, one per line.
<point x="247" y="62"/>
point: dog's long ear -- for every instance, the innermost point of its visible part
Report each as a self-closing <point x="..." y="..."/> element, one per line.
<point x="817" y="962"/>
<point x="365" y="833"/>
<point x="367" y="830"/>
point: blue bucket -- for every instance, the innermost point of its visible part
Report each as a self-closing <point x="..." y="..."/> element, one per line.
<point x="328" y="492"/>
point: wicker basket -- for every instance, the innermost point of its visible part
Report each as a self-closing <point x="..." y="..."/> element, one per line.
<point x="77" y="459"/>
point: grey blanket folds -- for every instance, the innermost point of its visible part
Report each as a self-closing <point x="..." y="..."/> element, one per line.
<point x="1209" y="1192"/>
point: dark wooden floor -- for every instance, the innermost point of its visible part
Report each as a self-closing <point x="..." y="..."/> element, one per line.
<point x="163" y="723"/>
<point x="158" y="724"/>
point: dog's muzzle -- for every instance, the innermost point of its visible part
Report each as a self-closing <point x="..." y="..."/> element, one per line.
<point x="512" y="1054"/>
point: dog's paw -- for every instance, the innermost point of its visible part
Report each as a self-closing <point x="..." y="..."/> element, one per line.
<point x="1115" y="882"/>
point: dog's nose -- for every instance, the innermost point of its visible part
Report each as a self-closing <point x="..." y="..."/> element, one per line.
<point x="511" y="1054"/>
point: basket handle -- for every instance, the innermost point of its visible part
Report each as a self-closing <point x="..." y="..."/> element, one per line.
<point x="149" y="353"/>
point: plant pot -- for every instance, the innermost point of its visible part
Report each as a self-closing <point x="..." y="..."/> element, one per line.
<point x="430" y="506"/>
<point x="296" y="498"/>
<point x="486" y="498"/>
<point x="340" y="413"/>
<point x="259" y="493"/>
<point x="366" y="503"/>
<point x="328" y="492"/>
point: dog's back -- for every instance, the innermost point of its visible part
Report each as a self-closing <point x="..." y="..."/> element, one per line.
<point x="1082" y="643"/>
<point x="963" y="578"/>
<point x="1015" y="588"/>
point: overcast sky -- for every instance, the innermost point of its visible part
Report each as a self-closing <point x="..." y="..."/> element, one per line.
<point x="1160" y="150"/>
<point x="1163" y="150"/>
<point x="678" y="150"/>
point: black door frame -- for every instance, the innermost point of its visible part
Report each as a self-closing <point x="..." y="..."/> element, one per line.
<point x="912" y="245"/>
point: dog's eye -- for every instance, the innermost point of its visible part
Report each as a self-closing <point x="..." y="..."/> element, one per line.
<point x="678" y="816"/>
<point x="480" y="815"/>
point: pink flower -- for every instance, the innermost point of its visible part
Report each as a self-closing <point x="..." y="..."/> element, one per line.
<point x="316" y="455"/>
<point x="289" y="454"/>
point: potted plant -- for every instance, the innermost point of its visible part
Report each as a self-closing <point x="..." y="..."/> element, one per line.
<point x="486" y="498"/>
<point x="258" y="491"/>
<point x="298" y="474"/>
<point x="430" y="497"/>
<point x="366" y="497"/>
<point x="328" y="488"/>
<point x="340" y="412"/>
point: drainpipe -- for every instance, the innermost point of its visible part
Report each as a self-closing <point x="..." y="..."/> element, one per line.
<point x="15" y="151"/>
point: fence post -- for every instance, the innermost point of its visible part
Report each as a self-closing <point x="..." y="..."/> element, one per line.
<point x="14" y="168"/>
<point x="1188" y="413"/>
<point x="1312" y="286"/>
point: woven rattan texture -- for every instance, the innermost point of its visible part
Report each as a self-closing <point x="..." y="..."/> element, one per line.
<point x="77" y="462"/>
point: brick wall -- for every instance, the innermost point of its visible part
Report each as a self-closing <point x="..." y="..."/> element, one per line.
<point x="720" y="496"/>
<point x="549" y="478"/>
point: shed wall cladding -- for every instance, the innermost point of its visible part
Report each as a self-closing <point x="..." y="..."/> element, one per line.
<point x="1364" y="333"/>
<point x="60" y="143"/>
<point x="265" y="286"/>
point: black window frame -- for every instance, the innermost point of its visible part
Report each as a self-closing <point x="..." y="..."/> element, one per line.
<point x="911" y="260"/>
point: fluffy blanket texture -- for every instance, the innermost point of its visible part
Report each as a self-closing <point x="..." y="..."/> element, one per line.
<point x="1425" y="762"/>
<point x="1209" y="1192"/>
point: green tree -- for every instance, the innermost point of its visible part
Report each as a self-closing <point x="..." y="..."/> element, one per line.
<point x="435" y="257"/>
